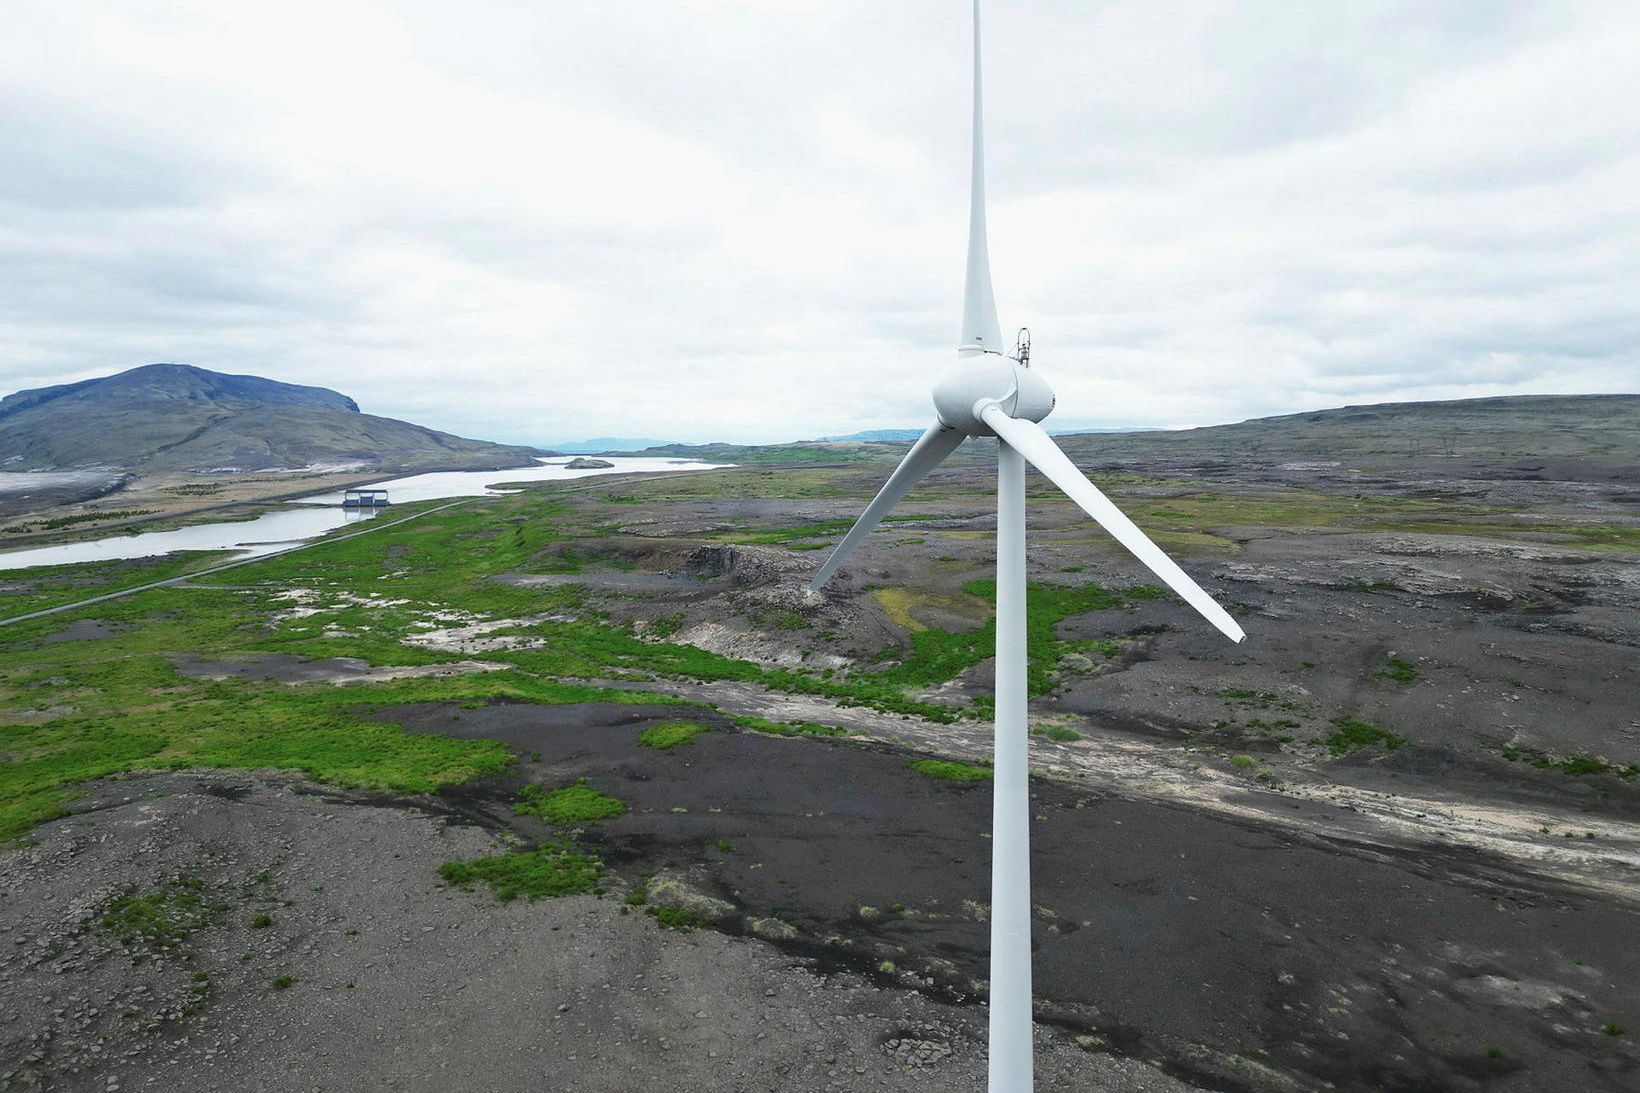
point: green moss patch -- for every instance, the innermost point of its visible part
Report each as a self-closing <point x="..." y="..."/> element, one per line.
<point x="947" y="770"/>
<point x="1350" y="735"/>
<point x="1573" y="765"/>
<point x="1057" y="733"/>
<point x="1397" y="670"/>
<point x="547" y="871"/>
<point x="789" y="728"/>
<point x="674" y="918"/>
<point x="671" y="734"/>
<point x="575" y="804"/>
<point x="146" y="922"/>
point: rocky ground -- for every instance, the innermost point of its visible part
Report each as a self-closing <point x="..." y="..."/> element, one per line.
<point x="312" y="948"/>
<point x="1390" y="842"/>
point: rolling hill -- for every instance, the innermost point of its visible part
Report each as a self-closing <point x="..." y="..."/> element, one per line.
<point x="175" y="418"/>
<point x="1601" y="430"/>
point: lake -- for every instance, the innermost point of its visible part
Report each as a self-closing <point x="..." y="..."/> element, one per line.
<point x="308" y="517"/>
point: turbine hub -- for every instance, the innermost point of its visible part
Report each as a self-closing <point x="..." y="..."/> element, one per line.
<point x="1020" y="391"/>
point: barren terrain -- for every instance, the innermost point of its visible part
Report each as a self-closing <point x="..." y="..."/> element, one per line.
<point x="1390" y="842"/>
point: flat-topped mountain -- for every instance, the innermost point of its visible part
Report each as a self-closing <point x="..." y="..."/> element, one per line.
<point x="169" y="418"/>
<point x="1602" y="428"/>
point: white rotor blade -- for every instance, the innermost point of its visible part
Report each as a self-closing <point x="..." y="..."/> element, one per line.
<point x="932" y="447"/>
<point x="1029" y="439"/>
<point x="979" y="303"/>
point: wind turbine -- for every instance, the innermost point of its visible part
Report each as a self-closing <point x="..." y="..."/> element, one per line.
<point x="996" y="395"/>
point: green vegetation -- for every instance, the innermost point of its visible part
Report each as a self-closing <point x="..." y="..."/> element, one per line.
<point x="549" y="870"/>
<point x="780" y="619"/>
<point x="261" y="922"/>
<point x="674" y="918"/>
<point x="40" y="587"/>
<point x="79" y="710"/>
<point x="671" y="734"/>
<point x="1057" y="733"/>
<point x="1241" y="761"/>
<point x="1397" y="670"/>
<point x="57" y="523"/>
<point x="574" y="804"/>
<point x="788" y="536"/>
<point x="937" y="656"/>
<point x="1574" y="765"/>
<point x="665" y="626"/>
<point x="282" y="982"/>
<point x="947" y="770"/>
<point x="1350" y="735"/>
<point x="161" y="919"/>
<point x="1612" y="1028"/>
<point x="1255" y="700"/>
<point x="788" y="728"/>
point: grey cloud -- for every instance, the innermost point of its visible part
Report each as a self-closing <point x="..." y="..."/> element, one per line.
<point x="727" y="221"/>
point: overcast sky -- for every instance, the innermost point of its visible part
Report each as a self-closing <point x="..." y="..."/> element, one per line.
<point x="533" y="221"/>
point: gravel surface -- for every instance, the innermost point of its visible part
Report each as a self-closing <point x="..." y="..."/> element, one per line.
<point x="398" y="983"/>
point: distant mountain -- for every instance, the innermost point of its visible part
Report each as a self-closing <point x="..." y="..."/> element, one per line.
<point x="1593" y="430"/>
<point x="172" y="418"/>
<point x="1601" y="428"/>
<point x="601" y="444"/>
<point x="906" y="436"/>
<point x="875" y="436"/>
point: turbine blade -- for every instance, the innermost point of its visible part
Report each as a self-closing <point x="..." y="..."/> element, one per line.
<point x="1029" y="439"/>
<point x="979" y="305"/>
<point x="932" y="447"/>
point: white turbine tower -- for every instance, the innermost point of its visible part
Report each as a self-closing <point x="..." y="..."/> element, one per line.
<point x="1002" y="396"/>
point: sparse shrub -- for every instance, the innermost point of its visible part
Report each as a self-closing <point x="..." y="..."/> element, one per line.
<point x="282" y="982"/>
<point x="1241" y="761"/>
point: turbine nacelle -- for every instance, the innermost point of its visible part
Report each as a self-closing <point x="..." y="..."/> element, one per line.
<point x="999" y="380"/>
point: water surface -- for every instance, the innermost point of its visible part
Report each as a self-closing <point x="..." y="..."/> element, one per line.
<point x="308" y="517"/>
